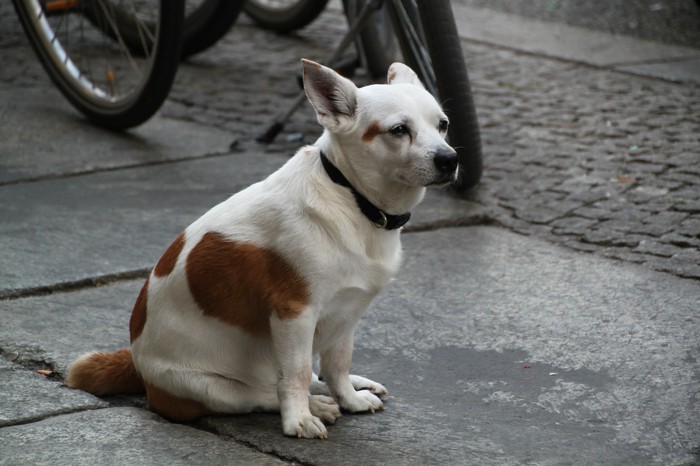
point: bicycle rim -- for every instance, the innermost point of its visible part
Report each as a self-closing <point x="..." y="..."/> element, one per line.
<point x="81" y="45"/>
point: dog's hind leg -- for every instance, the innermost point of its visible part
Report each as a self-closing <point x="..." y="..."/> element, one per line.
<point x="335" y="367"/>
<point x="361" y="383"/>
<point x="324" y="407"/>
<point x="194" y="394"/>
<point x="319" y="387"/>
<point x="224" y="396"/>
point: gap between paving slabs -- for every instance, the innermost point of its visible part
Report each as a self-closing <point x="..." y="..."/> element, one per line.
<point x="50" y="401"/>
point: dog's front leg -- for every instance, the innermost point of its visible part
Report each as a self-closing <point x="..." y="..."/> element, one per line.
<point x="335" y="371"/>
<point x="293" y="342"/>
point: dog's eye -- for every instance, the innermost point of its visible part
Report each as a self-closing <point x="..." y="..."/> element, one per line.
<point x="399" y="130"/>
<point x="442" y="126"/>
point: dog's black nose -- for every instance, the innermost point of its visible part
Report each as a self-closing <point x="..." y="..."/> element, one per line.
<point x="446" y="160"/>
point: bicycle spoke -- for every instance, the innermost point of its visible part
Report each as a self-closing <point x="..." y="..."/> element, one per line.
<point x="94" y="53"/>
<point x="414" y="40"/>
<point x="105" y="55"/>
<point x="109" y="16"/>
<point x="146" y="36"/>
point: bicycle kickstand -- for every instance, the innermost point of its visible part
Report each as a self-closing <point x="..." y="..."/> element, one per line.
<point x="278" y="124"/>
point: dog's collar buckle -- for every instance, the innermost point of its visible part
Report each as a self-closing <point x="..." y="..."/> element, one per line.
<point x="383" y="222"/>
<point x="378" y="217"/>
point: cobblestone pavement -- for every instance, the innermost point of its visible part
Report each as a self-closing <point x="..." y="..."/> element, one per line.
<point x="595" y="160"/>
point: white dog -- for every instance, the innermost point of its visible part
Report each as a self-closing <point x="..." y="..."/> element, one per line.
<point x="232" y="313"/>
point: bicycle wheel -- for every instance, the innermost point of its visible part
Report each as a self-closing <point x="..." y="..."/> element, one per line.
<point x="112" y="86"/>
<point x="376" y="44"/>
<point x="284" y="15"/>
<point x="206" y="22"/>
<point x="426" y="36"/>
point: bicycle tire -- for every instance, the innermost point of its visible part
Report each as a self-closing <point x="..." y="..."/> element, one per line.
<point x="376" y="43"/>
<point x="104" y="103"/>
<point x="208" y="23"/>
<point x="442" y="39"/>
<point x="295" y="16"/>
<point x="205" y="24"/>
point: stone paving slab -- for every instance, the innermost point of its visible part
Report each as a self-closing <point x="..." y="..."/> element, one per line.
<point x="52" y="330"/>
<point x="685" y="70"/>
<point x="670" y="21"/>
<point x="120" y="436"/>
<point x="496" y="349"/>
<point x="28" y="397"/>
<point x="441" y="208"/>
<point x="72" y="229"/>
<point x="558" y="40"/>
<point x="43" y="136"/>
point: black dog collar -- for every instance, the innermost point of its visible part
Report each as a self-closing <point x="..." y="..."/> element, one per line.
<point x="377" y="216"/>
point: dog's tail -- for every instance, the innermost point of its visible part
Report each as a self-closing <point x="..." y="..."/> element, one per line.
<point x="105" y="374"/>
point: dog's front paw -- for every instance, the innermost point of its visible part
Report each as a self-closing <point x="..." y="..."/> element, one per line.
<point x="324" y="407"/>
<point x="361" y="402"/>
<point x="361" y="383"/>
<point x="305" y="426"/>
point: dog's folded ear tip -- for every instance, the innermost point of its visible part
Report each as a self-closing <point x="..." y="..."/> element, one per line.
<point x="401" y="73"/>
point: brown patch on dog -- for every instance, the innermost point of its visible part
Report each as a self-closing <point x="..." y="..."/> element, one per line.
<point x="391" y="75"/>
<point x="372" y="132"/>
<point x="173" y="407"/>
<point x="138" y="315"/>
<point x="105" y="374"/>
<point x="242" y="284"/>
<point x="166" y="264"/>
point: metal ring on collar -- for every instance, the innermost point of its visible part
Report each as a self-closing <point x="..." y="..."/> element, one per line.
<point x="383" y="222"/>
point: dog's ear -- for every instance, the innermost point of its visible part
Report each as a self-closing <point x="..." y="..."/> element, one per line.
<point x="400" y="73"/>
<point x="332" y="96"/>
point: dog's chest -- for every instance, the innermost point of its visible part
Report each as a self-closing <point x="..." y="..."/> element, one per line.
<point x="353" y="280"/>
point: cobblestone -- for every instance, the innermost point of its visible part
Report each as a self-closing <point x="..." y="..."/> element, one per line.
<point x="690" y="227"/>
<point x="654" y="229"/>
<point x="690" y="243"/>
<point x="621" y="145"/>
<point x="571" y="225"/>
<point x="658" y="249"/>
<point x="593" y="159"/>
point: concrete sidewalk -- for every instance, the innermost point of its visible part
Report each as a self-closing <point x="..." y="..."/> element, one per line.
<point x="577" y="44"/>
<point x="496" y="348"/>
